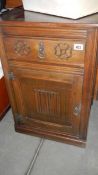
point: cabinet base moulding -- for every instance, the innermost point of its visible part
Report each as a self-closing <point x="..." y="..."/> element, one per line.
<point x="50" y="135"/>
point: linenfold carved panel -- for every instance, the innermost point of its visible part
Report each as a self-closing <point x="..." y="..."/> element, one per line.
<point x="47" y="102"/>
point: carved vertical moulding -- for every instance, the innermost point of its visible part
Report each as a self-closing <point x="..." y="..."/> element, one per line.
<point x="47" y="102"/>
<point x="22" y="48"/>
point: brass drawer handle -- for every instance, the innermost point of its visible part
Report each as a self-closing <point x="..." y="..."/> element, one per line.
<point x="77" y="110"/>
<point x="41" y="50"/>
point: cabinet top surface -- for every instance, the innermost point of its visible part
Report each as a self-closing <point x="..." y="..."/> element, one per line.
<point x="20" y="16"/>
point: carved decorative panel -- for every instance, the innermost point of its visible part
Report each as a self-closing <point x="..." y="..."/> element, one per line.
<point x="22" y="48"/>
<point x="47" y="102"/>
<point x="63" y="51"/>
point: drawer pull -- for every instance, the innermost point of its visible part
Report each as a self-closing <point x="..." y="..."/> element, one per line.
<point x="63" y="50"/>
<point x="41" y="51"/>
<point x="77" y="110"/>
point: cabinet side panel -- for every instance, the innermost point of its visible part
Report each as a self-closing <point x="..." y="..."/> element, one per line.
<point x="6" y="71"/>
<point x="89" y="79"/>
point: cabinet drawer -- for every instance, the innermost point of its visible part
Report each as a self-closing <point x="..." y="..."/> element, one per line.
<point x="46" y="50"/>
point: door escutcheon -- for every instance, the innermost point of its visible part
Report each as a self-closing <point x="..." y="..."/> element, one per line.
<point x="77" y="110"/>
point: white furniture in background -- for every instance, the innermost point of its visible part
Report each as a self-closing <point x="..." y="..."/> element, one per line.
<point x="66" y="8"/>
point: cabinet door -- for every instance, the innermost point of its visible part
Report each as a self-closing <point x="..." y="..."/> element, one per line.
<point x="49" y="100"/>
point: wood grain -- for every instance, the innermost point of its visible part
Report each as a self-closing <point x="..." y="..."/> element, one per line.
<point x="12" y="4"/>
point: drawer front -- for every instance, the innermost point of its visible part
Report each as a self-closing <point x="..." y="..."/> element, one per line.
<point x="46" y="50"/>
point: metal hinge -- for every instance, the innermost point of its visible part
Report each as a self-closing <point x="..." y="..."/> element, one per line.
<point x="11" y="76"/>
<point x="18" y="118"/>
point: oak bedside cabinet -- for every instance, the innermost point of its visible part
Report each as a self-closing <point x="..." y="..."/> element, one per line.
<point x="50" y="69"/>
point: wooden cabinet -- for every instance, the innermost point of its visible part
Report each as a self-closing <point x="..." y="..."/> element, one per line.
<point x="50" y="70"/>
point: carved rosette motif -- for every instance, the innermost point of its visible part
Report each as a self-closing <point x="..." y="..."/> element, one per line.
<point x="22" y="48"/>
<point x="63" y="51"/>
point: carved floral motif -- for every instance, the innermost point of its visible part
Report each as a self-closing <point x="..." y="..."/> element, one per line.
<point x="22" y="48"/>
<point x="63" y="50"/>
